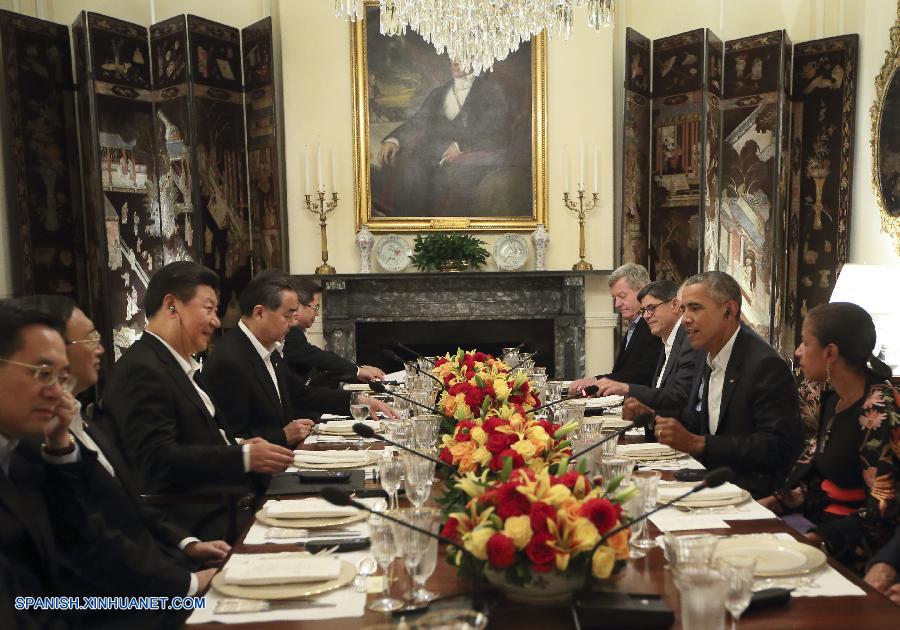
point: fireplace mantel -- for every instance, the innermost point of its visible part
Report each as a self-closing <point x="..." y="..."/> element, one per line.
<point x="554" y="296"/>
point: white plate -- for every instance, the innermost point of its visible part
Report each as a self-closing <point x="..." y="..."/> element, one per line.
<point x="774" y="557"/>
<point x="511" y="252"/>
<point x="392" y="253"/>
<point x="285" y="591"/>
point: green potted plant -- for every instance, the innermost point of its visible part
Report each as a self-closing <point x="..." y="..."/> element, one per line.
<point x="448" y="252"/>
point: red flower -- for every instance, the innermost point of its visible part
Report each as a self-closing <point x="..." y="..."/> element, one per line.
<point x="490" y="425"/>
<point x="525" y="388"/>
<point x="449" y="529"/>
<point x="440" y="362"/>
<point x="601" y="512"/>
<point x="458" y="388"/>
<point x="569" y="479"/>
<point x="464" y="430"/>
<point x="509" y="501"/>
<point x="538" y="551"/>
<point x="489" y="391"/>
<point x="498" y="461"/>
<point x="499" y="442"/>
<point x="501" y="551"/>
<point x="540" y="512"/>
<point x="474" y="398"/>
<point x="446" y="456"/>
<point x="481" y="357"/>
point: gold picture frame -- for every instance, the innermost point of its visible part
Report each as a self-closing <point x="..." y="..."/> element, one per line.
<point x="887" y="88"/>
<point x="381" y="222"/>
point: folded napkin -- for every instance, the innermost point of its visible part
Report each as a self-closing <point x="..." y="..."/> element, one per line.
<point x="331" y="457"/>
<point x="346" y="425"/>
<point x="306" y="508"/>
<point x="669" y="491"/>
<point x="283" y="568"/>
<point x="645" y="449"/>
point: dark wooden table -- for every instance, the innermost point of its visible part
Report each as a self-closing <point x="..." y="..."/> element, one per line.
<point x="646" y="575"/>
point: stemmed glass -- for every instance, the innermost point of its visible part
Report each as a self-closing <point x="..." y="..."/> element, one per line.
<point x="411" y="544"/>
<point x="359" y="409"/>
<point x="427" y="565"/>
<point x="648" y="483"/>
<point x="418" y="475"/>
<point x="381" y="536"/>
<point x="390" y="471"/>
<point x="738" y="574"/>
<point x="426" y="428"/>
<point x="633" y="509"/>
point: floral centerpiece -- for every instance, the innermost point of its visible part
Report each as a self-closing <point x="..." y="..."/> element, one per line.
<point x="533" y="533"/>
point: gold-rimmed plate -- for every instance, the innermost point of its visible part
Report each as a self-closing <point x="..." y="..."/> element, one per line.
<point x="774" y="557"/>
<point x="692" y="502"/>
<point x="285" y="591"/>
<point x="310" y="523"/>
<point x="369" y="460"/>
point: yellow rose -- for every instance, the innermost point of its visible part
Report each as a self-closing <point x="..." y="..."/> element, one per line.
<point x="583" y="535"/>
<point x="538" y="435"/>
<point x="524" y="448"/>
<point x="619" y="544"/>
<point x="603" y="562"/>
<point x="501" y="388"/>
<point x="518" y="528"/>
<point x="478" y="436"/>
<point x="476" y="542"/>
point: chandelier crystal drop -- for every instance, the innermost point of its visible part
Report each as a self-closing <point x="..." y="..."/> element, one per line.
<point x="478" y="33"/>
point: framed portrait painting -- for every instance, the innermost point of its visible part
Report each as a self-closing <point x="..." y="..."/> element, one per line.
<point x="437" y="148"/>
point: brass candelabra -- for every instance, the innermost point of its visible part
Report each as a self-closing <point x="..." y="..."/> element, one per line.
<point x="581" y="208"/>
<point x="322" y="209"/>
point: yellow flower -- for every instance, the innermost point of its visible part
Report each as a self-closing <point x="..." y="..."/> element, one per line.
<point x="619" y="544"/>
<point x="538" y="435"/>
<point x="469" y="485"/>
<point x="603" y="562"/>
<point x="524" y="448"/>
<point x="518" y="528"/>
<point x="476" y="541"/>
<point x="582" y="536"/>
<point x="501" y="388"/>
<point x="482" y="456"/>
<point x="462" y="454"/>
<point x="449" y="403"/>
<point x="478" y="436"/>
<point x="562" y="561"/>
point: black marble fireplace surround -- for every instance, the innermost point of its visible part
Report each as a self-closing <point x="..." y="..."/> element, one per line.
<point x="437" y="312"/>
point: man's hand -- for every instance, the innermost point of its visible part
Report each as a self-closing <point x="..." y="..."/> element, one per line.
<point x="580" y="384"/>
<point x="671" y="432"/>
<point x="297" y="430"/>
<point x="388" y="154"/>
<point x="368" y="373"/>
<point x="56" y="431"/>
<point x="450" y="153"/>
<point x="203" y="579"/>
<point x="376" y="405"/>
<point x="210" y="553"/>
<point x="632" y="408"/>
<point x="609" y="387"/>
<point x="882" y="576"/>
<point x="268" y="458"/>
<point x="813" y="538"/>
<point x="893" y="594"/>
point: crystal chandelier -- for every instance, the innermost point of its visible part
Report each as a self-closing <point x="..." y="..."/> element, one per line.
<point x="477" y="33"/>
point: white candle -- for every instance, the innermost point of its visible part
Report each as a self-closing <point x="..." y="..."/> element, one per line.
<point x="596" y="169"/>
<point x="307" y="170"/>
<point x="321" y="179"/>
<point x="333" y="171"/>
<point x="566" y="168"/>
<point x="581" y="164"/>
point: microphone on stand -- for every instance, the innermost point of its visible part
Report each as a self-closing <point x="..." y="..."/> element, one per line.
<point x="393" y="356"/>
<point x="364" y="430"/>
<point x="336" y="496"/>
<point x="590" y="390"/>
<point x="713" y="479"/>
<point x="639" y="422"/>
<point x="408" y="350"/>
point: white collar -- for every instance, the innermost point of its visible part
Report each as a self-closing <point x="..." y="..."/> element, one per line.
<point x="7" y="445"/>
<point x="670" y="340"/>
<point x="463" y="83"/>
<point x="264" y="354"/>
<point x="720" y="361"/>
<point x="77" y="423"/>
<point x="189" y="366"/>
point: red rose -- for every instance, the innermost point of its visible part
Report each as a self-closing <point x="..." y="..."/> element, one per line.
<point x="569" y="479"/>
<point x="501" y="551"/>
<point x="498" y="461"/>
<point x="446" y="456"/>
<point x="601" y="512"/>
<point x="540" y="512"/>
<point x="490" y="425"/>
<point x="458" y="388"/>
<point x="509" y="501"/>
<point x="538" y="551"/>
<point x="499" y="442"/>
<point x="449" y="529"/>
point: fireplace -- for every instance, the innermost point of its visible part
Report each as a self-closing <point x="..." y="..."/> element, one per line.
<point x="435" y="313"/>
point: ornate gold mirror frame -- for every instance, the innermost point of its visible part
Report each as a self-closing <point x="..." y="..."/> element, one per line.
<point x="886" y="157"/>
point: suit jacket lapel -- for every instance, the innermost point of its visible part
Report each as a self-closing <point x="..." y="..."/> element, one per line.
<point x="260" y="372"/>
<point x="732" y="374"/>
<point x="24" y="506"/>
<point x="674" y="354"/>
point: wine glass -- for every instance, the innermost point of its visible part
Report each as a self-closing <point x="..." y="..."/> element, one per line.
<point x="390" y="471"/>
<point x="648" y="482"/>
<point x="738" y="574"/>
<point x="418" y="475"/>
<point x="381" y="537"/>
<point x="359" y="409"/>
<point x="426" y="428"/>
<point x="423" y="570"/>
<point x="412" y="544"/>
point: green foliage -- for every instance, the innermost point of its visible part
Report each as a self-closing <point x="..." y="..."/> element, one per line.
<point x="440" y="248"/>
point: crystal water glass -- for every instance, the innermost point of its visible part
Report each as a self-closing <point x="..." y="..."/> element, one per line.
<point x="616" y="467"/>
<point x="648" y="482"/>
<point x="390" y="472"/>
<point x="738" y="573"/>
<point x="634" y="508"/>
<point x="702" y="592"/>
<point x="384" y="550"/>
<point x="418" y="475"/>
<point x="423" y="570"/>
<point x="690" y="550"/>
<point x="426" y="428"/>
<point x="412" y="544"/>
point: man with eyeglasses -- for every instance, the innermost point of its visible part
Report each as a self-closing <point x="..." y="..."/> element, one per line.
<point x="304" y="358"/>
<point x="674" y="372"/>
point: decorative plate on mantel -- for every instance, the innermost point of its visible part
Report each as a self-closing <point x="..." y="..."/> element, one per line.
<point x="392" y="253"/>
<point x="511" y="252"/>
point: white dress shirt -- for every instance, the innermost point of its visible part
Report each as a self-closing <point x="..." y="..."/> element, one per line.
<point x="77" y="429"/>
<point x="667" y="346"/>
<point x="190" y="368"/>
<point x="7" y="446"/>
<point x="718" y="364"/>
<point x="264" y="354"/>
<point x="457" y="95"/>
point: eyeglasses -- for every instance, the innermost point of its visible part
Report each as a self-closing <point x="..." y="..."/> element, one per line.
<point x="650" y="309"/>
<point x="94" y="340"/>
<point x="46" y="376"/>
<point x="315" y="308"/>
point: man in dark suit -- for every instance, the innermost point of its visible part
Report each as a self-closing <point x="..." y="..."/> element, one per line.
<point x="306" y="359"/>
<point x="671" y="383"/>
<point x="743" y="410"/>
<point x="639" y="351"/>
<point x="246" y="375"/>
<point x="162" y="418"/>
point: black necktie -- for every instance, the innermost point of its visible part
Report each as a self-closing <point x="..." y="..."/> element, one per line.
<point x="704" y="406"/>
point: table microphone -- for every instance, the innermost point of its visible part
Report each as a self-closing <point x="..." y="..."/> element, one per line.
<point x="393" y="356"/>
<point x="588" y="391"/>
<point x="407" y="349"/>
<point x="639" y="422"/>
<point x="336" y="496"/>
<point x="364" y="430"/>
